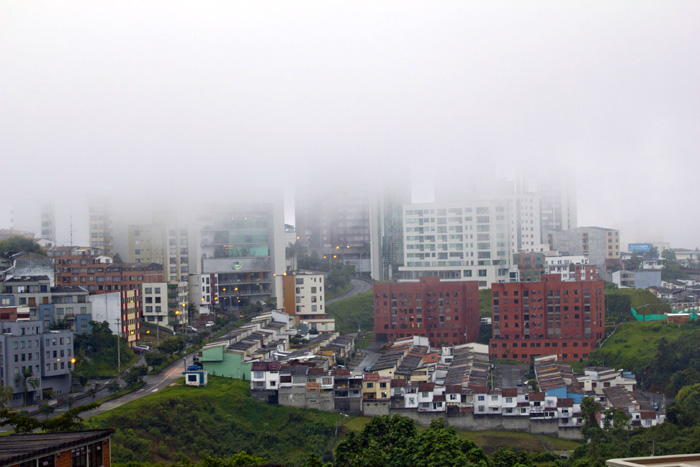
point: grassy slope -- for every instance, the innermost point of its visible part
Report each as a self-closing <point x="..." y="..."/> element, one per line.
<point x="643" y="301"/>
<point x="348" y="312"/>
<point x="485" y="303"/>
<point x="635" y="343"/>
<point x="220" y="419"/>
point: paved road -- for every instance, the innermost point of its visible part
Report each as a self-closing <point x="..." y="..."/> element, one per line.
<point x="154" y="383"/>
<point x="371" y="355"/>
<point x="358" y="287"/>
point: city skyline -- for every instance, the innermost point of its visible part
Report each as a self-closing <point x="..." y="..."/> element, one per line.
<point x="219" y="101"/>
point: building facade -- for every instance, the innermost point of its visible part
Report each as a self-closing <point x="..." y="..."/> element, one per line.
<point x="34" y="359"/>
<point x="597" y="243"/>
<point x="161" y="243"/>
<point x="101" y="229"/>
<point x="165" y="304"/>
<point x="242" y="248"/>
<point x="547" y="317"/>
<point x="457" y="241"/>
<point x="444" y="312"/>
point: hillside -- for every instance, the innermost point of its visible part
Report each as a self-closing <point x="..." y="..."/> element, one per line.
<point x="219" y="420"/>
<point x="654" y="351"/>
<point x="353" y="311"/>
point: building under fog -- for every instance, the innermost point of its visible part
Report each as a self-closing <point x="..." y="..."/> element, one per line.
<point x="238" y="256"/>
<point x="469" y="240"/>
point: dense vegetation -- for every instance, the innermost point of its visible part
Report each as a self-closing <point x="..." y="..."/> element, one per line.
<point x="352" y="312"/>
<point x="16" y="244"/>
<point x="663" y="356"/>
<point x="485" y="303"/>
<point x="96" y="353"/>
<point x="679" y="435"/>
<point x="219" y="420"/>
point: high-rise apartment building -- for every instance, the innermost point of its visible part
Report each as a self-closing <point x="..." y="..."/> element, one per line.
<point x="597" y="243"/>
<point x="162" y="243"/>
<point x="558" y="204"/>
<point x="336" y="222"/>
<point x="547" y="317"/>
<point x="447" y="313"/>
<point x="48" y="222"/>
<point x="469" y="240"/>
<point x="242" y="253"/>
<point x="386" y="229"/>
<point x="101" y="226"/>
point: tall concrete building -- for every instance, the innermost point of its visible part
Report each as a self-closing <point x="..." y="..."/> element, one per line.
<point x="469" y="240"/>
<point x="386" y="229"/>
<point x="334" y="222"/>
<point x="101" y="227"/>
<point x="48" y="222"/>
<point x="597" y="243"/>
<point x="558" y="205"/>
<point x="163" y="241"/>
<point x="240" y="255"/>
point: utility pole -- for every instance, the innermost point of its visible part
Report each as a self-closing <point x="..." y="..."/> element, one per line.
<point x="119" y="360"/>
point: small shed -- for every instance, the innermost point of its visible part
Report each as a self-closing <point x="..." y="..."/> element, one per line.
<point x="195" y="377"/>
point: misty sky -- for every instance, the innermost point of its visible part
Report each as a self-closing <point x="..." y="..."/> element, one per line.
<point x="215" y="99"/>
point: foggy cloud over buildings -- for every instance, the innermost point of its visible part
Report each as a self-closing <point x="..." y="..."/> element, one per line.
<point x="164" y="104"/>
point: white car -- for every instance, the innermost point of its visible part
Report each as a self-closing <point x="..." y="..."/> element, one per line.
<point x="209" y="324"/>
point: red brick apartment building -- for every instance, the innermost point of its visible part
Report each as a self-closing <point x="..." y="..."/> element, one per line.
<point x="82" y="266"/>
<point x="444" y="312"/>
<point x="566" y="318"/>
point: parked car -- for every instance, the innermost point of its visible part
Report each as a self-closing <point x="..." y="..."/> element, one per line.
<point x="191" y="329"/>
<point x="141" y="348"/>
<point x="209" y="324"/>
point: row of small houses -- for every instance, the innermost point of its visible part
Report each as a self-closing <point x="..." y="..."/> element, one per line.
<point x="413" y="380"/>
<point x="475" y="408"/>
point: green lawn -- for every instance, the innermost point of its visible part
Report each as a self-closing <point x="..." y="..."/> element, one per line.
<point x="353" y="311"/>
<point x="635" y="343"/>
<point x="338" y="292"/>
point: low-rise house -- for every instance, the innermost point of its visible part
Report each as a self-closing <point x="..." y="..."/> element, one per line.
<point x="596" y="379"/>
<point x="376" y="388"/>
<point x="634" y="404"/>
<point x="347" y="392"/>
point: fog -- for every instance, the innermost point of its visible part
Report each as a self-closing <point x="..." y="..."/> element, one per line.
<point x="185" y="101"/>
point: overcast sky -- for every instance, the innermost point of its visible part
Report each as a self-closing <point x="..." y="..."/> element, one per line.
<point x="202" y="99"/>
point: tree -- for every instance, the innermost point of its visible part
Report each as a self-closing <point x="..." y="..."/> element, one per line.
<point x="113" y="386"/>
<point x="70" y="401"/>
<point x="16" y="244"/>
<point x="117" y="259"/>
<point x="589" y="411"/>
<point x="440" y="446"/>
<point x="671" y="268"/>
<point x="6" y="394"/>
<point x="46" y="410"/>
<point x="135" y="374"/>
<point x="685" y="410"/>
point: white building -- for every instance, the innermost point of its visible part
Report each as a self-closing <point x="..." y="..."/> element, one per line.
<point x="457" y="241"/>
<point x="165" y="303"/>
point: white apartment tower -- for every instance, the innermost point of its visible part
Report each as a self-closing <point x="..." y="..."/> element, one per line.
<point x="469" y="240"/>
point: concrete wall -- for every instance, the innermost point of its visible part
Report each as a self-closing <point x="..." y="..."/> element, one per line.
<point x="299" y="397"/>
<point x="469" y="421"/>
<point x="107" y="307"/>
<point x="374" y="408"/>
